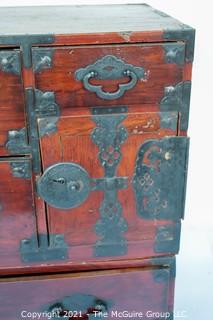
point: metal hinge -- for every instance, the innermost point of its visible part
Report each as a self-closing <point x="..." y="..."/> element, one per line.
<point x="177" y="98"/>
<point x="160" y="178"/>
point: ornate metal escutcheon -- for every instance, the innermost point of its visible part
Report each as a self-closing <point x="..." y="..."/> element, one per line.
<point x="160" y="178"/>
<point x="64" y="185"/>
<point x="110" y="67"/>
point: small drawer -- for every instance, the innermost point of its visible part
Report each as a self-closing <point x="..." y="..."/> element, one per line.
<point x="12" y="117"/>
<point x="17" y="216"/>
<point x="97" y="75"/>
<point x="91" y="295"/>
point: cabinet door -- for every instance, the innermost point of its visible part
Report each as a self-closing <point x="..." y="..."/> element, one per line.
<point x="147" y="292"/>
<point x="17" y="218"/>
<point x="110" y="180"/>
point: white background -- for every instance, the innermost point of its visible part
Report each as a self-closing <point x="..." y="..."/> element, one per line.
<point x="195" y="262"/>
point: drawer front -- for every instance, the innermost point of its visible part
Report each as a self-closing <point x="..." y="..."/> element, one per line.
<point x="96" y="75"/>
<point x="92" y="295"/>
<point x="12" y="118"/>
<point x="114" y="187"/>
<point x="17" y="220"/>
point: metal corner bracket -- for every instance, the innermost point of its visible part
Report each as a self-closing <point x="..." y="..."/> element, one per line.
<point x="186" y="34"/>
<point x="54" y="249"/>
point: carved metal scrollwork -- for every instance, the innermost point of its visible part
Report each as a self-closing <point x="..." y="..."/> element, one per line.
<point x="110" y="67"/>
<point x="160" y="178"/>
<point x="108" y="136"/>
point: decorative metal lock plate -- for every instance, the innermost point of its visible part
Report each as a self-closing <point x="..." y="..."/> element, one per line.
<point x="110" y="67"/>
<point x="64" y="185"/>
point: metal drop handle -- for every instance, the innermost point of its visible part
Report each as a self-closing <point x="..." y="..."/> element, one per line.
<point x="110" y="95"/>
<point x="58" y="311"/>
<point x="110" y="67"/>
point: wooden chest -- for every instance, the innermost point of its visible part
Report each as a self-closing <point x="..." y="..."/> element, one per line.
<point x="94" y="105"/>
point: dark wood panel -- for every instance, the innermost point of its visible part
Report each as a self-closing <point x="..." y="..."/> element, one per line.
<point x="148" y="289"/>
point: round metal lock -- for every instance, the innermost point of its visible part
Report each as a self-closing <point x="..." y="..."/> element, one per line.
<point x="64" y="185"/>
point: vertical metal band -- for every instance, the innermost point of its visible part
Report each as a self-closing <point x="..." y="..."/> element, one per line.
<point x="108" y="136"/>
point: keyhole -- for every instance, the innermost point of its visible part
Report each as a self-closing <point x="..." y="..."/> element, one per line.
<point x="60" y="180"/>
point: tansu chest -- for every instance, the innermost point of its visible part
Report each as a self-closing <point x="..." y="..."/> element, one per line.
<point x="93" y="160"/>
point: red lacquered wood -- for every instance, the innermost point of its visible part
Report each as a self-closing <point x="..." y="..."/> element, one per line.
<point x="137" y="289"/>
<point x="187" y="76"/>
<point x="28" y="77"/>
<point x="69" y="92"/>
<point x="50" y="267"/>
<point x="17" y="214"/>
<point x="108" y="38"/>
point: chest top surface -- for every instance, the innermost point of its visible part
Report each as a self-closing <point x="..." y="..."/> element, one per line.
<point x="84" y="19"/>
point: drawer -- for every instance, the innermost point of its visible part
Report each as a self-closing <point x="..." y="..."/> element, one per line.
<point x="113" y="183"/>
<point x="12" y="117"/>
<point x="17" y="218"/>
<point x="99" y="74"/>
<point x="91" y="295"/>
